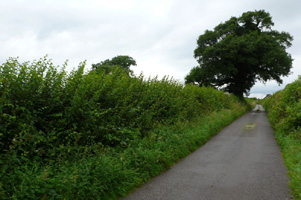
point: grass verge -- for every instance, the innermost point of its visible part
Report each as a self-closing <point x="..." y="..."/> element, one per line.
<point x="291" y="150"/>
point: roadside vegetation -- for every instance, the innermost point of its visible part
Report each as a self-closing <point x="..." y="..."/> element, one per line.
<point x="95" y="135"/>
<point x="284" y="112"/>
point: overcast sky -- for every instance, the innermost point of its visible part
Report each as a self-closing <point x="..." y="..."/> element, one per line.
<point x="159" y="34"/>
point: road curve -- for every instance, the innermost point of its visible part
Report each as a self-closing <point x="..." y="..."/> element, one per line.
<point x="242" y="162"/>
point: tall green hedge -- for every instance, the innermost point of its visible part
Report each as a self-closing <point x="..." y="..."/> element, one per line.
<point x="284" y="112"/>
<point x="53" y="123"/>
<point x="42" y="107"/>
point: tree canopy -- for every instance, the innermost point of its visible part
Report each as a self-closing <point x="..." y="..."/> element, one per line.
<point x="123" y="62"/>
<point x="240" y="51"/>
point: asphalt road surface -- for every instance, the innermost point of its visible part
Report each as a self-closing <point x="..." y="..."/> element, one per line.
<point x="242" y="162"/>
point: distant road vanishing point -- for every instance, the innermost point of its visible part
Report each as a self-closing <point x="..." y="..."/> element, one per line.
<point x="242" y="162"/>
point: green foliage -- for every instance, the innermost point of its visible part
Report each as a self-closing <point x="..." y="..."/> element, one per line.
<point x="96" y="135"/>
<point x="240" y="51"/>
<point x="109" y="174"/>
<point x="122" y="62"/>
<point x="284" y="112"/>
<point x="284" y="107"/>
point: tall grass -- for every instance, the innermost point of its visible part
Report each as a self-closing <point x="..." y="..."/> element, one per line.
<point x="284" y="112"/>
<point x="90" y="135"/>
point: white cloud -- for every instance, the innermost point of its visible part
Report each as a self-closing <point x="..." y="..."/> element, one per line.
<point x="160" y="35"/>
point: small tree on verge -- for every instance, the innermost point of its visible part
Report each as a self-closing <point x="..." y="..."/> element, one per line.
<point x="240" y="51"/>
<point x="122" y="62"/>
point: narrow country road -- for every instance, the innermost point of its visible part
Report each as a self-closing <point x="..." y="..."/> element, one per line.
<point x="242" y="162"/>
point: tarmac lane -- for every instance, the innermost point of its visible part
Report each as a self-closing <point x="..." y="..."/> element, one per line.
<point x="241" y="162"/>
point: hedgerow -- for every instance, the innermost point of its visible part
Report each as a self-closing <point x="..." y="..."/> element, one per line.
<point x="79" y="134"/>
<point x="284" y="112"/>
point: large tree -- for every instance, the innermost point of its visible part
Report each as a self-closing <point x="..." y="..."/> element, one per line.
<point x="240" y="51"/>
<point x="122" y="62"/>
